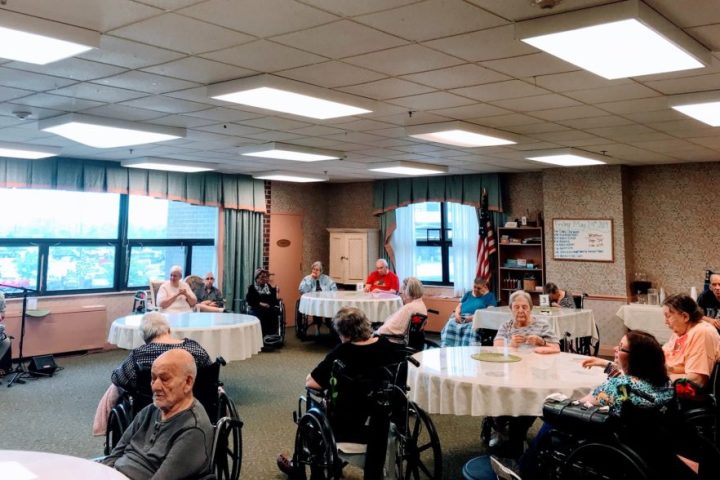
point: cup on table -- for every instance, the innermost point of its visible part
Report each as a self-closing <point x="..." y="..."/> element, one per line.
<point x="360" y="287"/>
<point x="652" y="296"/>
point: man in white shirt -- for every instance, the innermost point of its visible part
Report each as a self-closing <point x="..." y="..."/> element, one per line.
<point x="175" y="295"/>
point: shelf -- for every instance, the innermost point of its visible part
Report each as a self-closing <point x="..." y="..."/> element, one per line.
<point x="521" y="244"/>
<point x="520" y="228"/>
<point x="515" y="290"/>
<point x="519" y="269"/>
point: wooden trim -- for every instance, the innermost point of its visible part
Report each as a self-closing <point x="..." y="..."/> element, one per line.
<point x="608" y="298"/>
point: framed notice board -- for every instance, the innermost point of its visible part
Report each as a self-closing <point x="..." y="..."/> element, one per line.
<point x="588" y="240"/>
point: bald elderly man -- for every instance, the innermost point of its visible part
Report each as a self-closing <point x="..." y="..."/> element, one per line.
<point x="382" y="279"/>
<point x="709" y="301"/>
<point x="170" y="439"/>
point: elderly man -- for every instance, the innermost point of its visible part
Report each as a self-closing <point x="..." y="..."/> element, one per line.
<point x="209" y="297"/>
<point x="171" y="438"/>
<point x="709" y="301"/>
<point x="176" y="295"/>
<point x="382" y="279"/>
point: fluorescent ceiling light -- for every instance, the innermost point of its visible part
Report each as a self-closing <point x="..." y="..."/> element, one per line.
<point x="30" y="152"/>
<point x="703" y="106"/>
<point x="567" y="157"/>
<point x="282" y="95"/>
<point x="33" y="40"/>
<point x="285" y="151"/>
<point x="102" y="132"/>
<point x="460" y="134"/>
<point x="408" y="168"/>
<point x="285" y="176"/>
<point x="167" y="164"/>
<point x="619" y="40"/>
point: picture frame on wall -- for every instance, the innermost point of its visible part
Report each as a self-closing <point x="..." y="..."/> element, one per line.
<point x="583" y="239"/>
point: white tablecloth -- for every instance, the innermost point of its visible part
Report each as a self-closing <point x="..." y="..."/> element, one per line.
<point x="230" y="335"/>
<point x="17" y="464"/>
<point x="645" y="317"/>
<point x="578" y="323"/>
<point x="449" y="381"/>
<point x="377" y="306"/>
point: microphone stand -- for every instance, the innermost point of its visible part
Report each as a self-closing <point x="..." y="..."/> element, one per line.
<point x="20" y="371"/>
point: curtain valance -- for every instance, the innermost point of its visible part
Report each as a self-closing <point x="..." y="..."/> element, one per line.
<point x="465" y="189"/>
<point x="236" y="192"/>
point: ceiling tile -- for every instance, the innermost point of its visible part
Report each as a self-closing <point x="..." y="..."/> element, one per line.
<point x="708" y="35"/>
<point x="185" y="121"/>
<point x="500" y="90"/>
<point x="7" y="93"/>
<point x="128" y="54"/>
<point x="172" y="31"/>
<point x="595" y="122"/>
<point x="363" y="125"/>
<point x="145" y="82"/>
<point x="331" y="74"/>
<point x="351" y="8"/>
<point x="160" y="103"/>
<point x="523" y="10"/>
<point x="489" y="44"/>
<point x="259" y="17"/>
<point x="509" y="120"/>
<point x="56" y="102"/>
<point x="455" y="77"/>
<point x="199" y="70"/>
<point x="100" y="93"/>
<point x="387" y="88"/>
<point x="632" y="106"/>
<point x="537" y="102"/>
<point x="474" y="110"/>
<point x="688" y="13"/>
<point x="403" y="60"/>
<point x="340" y="39"/>
<point x="430" y="101"/>
<point x="431" y="19"/>
<point x="317" y="130"/>
<point x="569" y="113"/>
<point x="577" y="80"/>
<point x="275" y="123"/>
<point x="225" y="114"/>
<point x="31" y="81"/>
<point x="70" y="68"/>
<point x="611" y="94"/>
<point x="264" y="56"/>
<point x="687" y="84"/>
<point x="123" y="112"/>
<point x="530" y="65"/>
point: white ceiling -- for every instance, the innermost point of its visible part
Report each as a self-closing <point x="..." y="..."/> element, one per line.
<point x="422" y="60"/>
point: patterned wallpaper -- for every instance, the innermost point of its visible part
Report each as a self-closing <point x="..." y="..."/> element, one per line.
<point x="589" y="192"/>
<point x="352" y="206"/>
<point x="676" y="225"/>
<point x="523" y="193"/>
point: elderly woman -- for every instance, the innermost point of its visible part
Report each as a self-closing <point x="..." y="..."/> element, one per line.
<point x="458" y="330"/>
<point x="263" y="301"/>
<point x="522" y="329"/>
<point x="558" y="298"/>
<point x="411" y="294"/>
<point x="361" y="353"/>
<point x="175" y="295"/>
<point x="155" y="331"/>
<point x="317" y="281"/>
<point x="694" y="347"/>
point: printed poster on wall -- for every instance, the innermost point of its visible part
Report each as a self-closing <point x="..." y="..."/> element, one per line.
<point x="589" y="240"/>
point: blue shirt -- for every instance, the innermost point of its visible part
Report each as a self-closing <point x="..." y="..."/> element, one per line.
<point x="469" y="304"/>
<point x="309" y="284"/>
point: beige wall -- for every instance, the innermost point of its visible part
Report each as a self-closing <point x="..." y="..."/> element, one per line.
<point x="351" y="206"/>
<point x="523" y="195"/>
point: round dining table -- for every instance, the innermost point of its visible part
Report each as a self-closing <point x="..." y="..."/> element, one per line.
<point x="450" y="381"/>
<point x="377" y="306"/>
<point x="27" y="465"/>
<point x="233" y="336"/>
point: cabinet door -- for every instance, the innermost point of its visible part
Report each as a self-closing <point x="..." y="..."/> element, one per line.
<point x="338" y="252"/>
<point x="357" y="257"/>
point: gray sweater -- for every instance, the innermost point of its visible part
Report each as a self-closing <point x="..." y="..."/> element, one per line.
<point x="175" y="449"/>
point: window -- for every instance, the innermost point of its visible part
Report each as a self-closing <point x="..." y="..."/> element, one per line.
<point x="66" y="242"/>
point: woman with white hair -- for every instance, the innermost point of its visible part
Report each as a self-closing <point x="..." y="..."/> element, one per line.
<point x="175" y="295"/>
<point x="317" y="281"/>
<point x="411" y="293"/>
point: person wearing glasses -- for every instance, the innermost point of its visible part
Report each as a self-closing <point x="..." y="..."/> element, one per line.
<point x="209" y="297"/>
<point x="175" y="295"/>
<point x="317" y="281"/>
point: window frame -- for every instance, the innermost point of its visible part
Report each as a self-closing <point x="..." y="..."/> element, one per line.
<point x="444" y="242"/>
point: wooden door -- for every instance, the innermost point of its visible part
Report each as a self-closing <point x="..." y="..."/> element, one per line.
<point x="357" y="257"/>
<point x="338" y="252"/>
<point x="286" y="247"/>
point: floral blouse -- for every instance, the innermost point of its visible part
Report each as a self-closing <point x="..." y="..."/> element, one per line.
<point x="615" y="391"/>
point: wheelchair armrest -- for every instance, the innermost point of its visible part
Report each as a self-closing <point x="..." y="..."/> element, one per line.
<point x="433" y="311"/>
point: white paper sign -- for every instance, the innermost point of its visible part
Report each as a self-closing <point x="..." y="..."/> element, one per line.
<point x="588" y="240"/>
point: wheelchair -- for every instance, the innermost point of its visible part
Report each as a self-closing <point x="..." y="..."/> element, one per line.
<point x="414" y="336"/>
<point x="380" y="412"/>
<point x="221" y="410"/>
<point x="271" y="340"/>
<point x="302" y="324"/>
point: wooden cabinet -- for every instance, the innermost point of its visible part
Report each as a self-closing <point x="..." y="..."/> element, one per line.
<point x="353" y="252"/>
<point x="518" y="248"/>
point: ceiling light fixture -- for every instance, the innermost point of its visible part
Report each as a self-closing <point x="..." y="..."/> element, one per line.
<point x="282" y="95"/>
<point x="460" y="134"/>
<point x="285" y="176"/>
<point x="408" y="168"/>
<point x="167" y="164"/>
<point x="100" y="132"/>
<point x="34" y="40"/>
<point x="28" y="152"/>
<point x="619" y="40"/>
<point x="567" y="157"/>
<point x="702" y="106"/>
<point x="285" y="151"/>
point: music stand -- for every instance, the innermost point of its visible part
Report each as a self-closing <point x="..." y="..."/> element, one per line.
<point x="20" y="371"/>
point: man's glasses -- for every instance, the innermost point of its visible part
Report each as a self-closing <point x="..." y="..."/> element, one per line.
<point x="209" y="278"/>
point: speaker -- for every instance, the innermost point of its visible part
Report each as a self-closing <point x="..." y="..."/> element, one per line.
<point x="42" y="365"/>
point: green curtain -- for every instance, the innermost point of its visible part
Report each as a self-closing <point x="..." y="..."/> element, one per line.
<point x="242" y="252"/>
<point x="464" y="189"/>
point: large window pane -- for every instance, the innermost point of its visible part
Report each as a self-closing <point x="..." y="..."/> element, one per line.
<point x="77" y="267"/>
<point x="152" y="218"/>
<point x="19" y="266"/>
<point x="153" y="262"/>
<point x="58" y="214"/>
<point x="428" y="264"/>
<point x="427" y="221"/>
<point x="204" y="260"/>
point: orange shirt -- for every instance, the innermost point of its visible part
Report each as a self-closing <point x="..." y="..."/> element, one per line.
<point x="694" y="352"/>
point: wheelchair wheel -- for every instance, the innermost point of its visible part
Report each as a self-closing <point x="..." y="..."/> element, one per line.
<point x="603" y="462"/>
<point x="226" y="407"/>
<point x="117" y="422"/>
<point x="316" y="455"/>
<point x="419" y="453"/>
<point x="227" y="449"/>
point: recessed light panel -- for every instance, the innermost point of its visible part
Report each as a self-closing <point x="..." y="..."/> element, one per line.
<point x="283" y="176"/>
<point x="167" y="165"/>
<point x="408" y="168"/>
<point x="285" y="151"/>
<point x="28" y="152"/>
<point x="460" y="134"/>
<point x="568" y="157"/>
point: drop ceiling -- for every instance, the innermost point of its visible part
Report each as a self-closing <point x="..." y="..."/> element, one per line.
<point x="422" y="61"/>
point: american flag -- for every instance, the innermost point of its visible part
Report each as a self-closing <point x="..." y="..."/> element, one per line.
<point x="486" y="241"/>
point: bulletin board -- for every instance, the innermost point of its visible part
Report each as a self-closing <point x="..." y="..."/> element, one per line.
<point x="583" y="239"/>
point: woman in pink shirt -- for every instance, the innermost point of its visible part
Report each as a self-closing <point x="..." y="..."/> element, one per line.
<point x="411" y="294"/>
